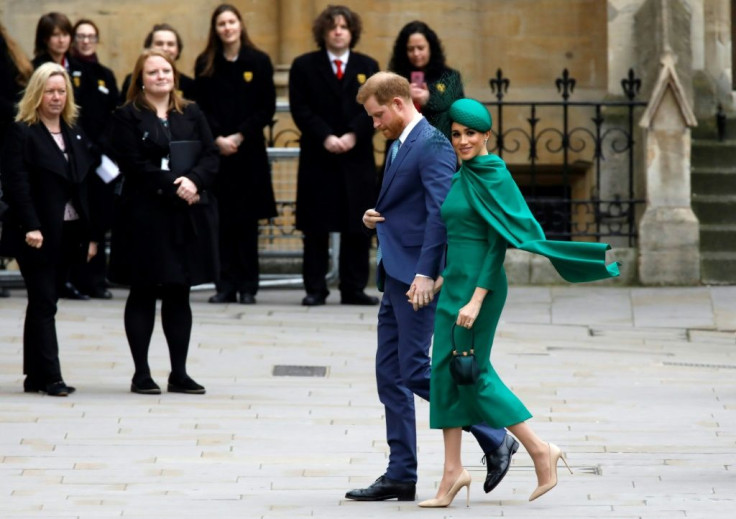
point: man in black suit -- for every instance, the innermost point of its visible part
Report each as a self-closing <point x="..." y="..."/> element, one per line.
<point x="337" y="170"/>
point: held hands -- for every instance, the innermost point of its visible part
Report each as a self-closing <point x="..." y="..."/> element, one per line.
<point x="419" y="93"/>
<point x="421" y="292"/>
<point x="335" y="144"/>
<point x="229" y="145"/>
<point x="34" y="239"/>
<point x="371" y="217"/>
<point x="187" y="190"/>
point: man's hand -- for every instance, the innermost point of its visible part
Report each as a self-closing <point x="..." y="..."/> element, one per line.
<point x="91" y="250"/>
<point x="421" y="292"/>
<point x="371" y="217"/>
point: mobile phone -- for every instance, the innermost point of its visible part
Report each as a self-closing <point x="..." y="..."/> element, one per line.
<point x="417" y="77"/>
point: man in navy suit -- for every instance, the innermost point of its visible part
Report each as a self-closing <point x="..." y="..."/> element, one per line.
<point x="337" y="171"/>
<point x="411" y="236"/>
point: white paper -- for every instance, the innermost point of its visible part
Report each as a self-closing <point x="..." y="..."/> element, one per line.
<point x="108" y="170"/>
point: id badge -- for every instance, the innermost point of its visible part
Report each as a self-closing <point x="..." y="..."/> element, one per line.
<point x="165" y="163"/>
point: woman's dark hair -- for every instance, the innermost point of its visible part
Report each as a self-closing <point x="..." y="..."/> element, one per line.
<point x="45" y="28"/>
<point x="326" y="20"/>
<point x="84" y="21"/>
<point x="206" y="60"/>
<point x="163" y="27"/>
<point x="399" y="61"/>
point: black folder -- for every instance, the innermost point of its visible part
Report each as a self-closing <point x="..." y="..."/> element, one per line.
<point x="183" y="156"/>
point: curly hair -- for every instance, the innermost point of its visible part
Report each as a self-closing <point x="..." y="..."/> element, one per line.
<point x="326" y="20"/>
<point x="399" y="61"/>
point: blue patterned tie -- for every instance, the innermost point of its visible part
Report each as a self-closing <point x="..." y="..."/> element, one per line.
<point x="393" y="151"/>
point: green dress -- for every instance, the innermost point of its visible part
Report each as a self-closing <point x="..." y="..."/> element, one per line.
<point x="485" y="213"/>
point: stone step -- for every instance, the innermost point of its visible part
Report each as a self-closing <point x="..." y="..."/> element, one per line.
<point x="718" y="268"/>
<point x="713" y="154"/>
<point x="717" y="238"/>
<point x="713" y="181"/>
<point x="715" y="209"/>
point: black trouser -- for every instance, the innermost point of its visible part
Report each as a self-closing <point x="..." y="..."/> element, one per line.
<point x="43" y="278"/>
<point x="353" y="266"/>
<point x="91" y="277"/>
<point x="176" y="320"/>
<point x="238" y="256"/>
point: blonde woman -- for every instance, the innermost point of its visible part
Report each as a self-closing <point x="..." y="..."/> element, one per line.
<point x="44" y="163"/>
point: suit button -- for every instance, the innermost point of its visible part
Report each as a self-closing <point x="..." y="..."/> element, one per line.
<point x="160" y="191"/>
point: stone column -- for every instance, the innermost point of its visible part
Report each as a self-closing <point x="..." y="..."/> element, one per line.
<point x="669" y="234"/>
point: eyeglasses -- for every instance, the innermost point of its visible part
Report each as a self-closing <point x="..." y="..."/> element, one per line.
<point x="89" y="37"/>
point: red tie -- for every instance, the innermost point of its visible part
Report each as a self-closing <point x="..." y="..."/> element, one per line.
<point x="338" y="64"/>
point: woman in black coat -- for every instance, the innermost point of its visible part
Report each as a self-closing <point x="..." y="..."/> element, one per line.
<point x="45" y="161"/>
<point x="53" y="44"/>
<point x="236" y="91"/>
<point x="97" y="103"/>
<point x="164" y="232"/>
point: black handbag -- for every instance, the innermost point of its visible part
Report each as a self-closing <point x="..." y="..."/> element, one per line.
<point x="463" y="366"/>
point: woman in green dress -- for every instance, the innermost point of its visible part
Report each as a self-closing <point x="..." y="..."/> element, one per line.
<point x="485" y="213"/>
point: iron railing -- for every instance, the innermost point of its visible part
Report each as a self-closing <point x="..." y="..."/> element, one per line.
<point x="569" y="143"/>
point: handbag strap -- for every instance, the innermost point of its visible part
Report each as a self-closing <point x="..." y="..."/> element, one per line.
<point x="472" y="341"/>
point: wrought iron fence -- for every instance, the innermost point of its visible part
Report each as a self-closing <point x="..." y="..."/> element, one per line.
<point x="578" y="173"/>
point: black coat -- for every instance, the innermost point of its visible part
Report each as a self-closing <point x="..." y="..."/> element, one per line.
<point x="10" y="89"/>
<point x="240" y="96"/>
<point x="333" y="190"/>
<point x="38" y="182"/>
<point x="97" y="100"/>
<point x="156" y="237"/>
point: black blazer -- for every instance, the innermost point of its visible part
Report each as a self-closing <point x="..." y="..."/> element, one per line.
<point x="333" y="190"/>
<point x="38" y="182"/>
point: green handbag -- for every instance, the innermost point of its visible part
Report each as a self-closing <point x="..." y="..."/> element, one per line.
<point x="463" y="366"/>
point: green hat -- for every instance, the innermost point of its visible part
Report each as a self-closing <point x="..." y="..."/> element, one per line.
<point x="471" y="113"/>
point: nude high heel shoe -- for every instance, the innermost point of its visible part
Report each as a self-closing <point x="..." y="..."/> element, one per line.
<point x="440" y="502"/>
<point x="555" y="454"/>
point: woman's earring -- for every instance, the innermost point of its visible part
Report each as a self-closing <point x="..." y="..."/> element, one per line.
<point x="485" y="142"/>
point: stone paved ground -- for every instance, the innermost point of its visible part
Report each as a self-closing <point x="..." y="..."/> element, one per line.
<point x="638" y="385"/>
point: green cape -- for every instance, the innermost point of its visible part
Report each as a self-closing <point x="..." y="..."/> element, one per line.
<point x="492" y="192"/>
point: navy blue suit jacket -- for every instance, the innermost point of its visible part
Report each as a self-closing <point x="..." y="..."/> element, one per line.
<point x="415" y="183"/>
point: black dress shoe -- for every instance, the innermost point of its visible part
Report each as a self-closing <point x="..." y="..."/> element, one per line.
<point x="498" y="462"/>
<point x="246" y="298"/>
<point x="223" y="297"/>
<point x="145" y="386"/>
<point x="69" y="291"/>
<point x="185" y="385"/>
<point x="358" y="298"/>
<point x="101" y="293"/>
<point x="384" y="488"/>
<point x="32" y="386"/>
<point x="314" y="299"/>
<point x="59" y="389"/>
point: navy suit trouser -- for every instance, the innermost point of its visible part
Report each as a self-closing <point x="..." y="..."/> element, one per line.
<point x="403" y="367"/>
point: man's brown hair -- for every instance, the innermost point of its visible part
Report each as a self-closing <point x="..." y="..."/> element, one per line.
<point x="384" y="86"/>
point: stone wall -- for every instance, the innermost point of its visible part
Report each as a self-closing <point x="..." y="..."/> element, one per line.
<point x="531" y="40"/>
